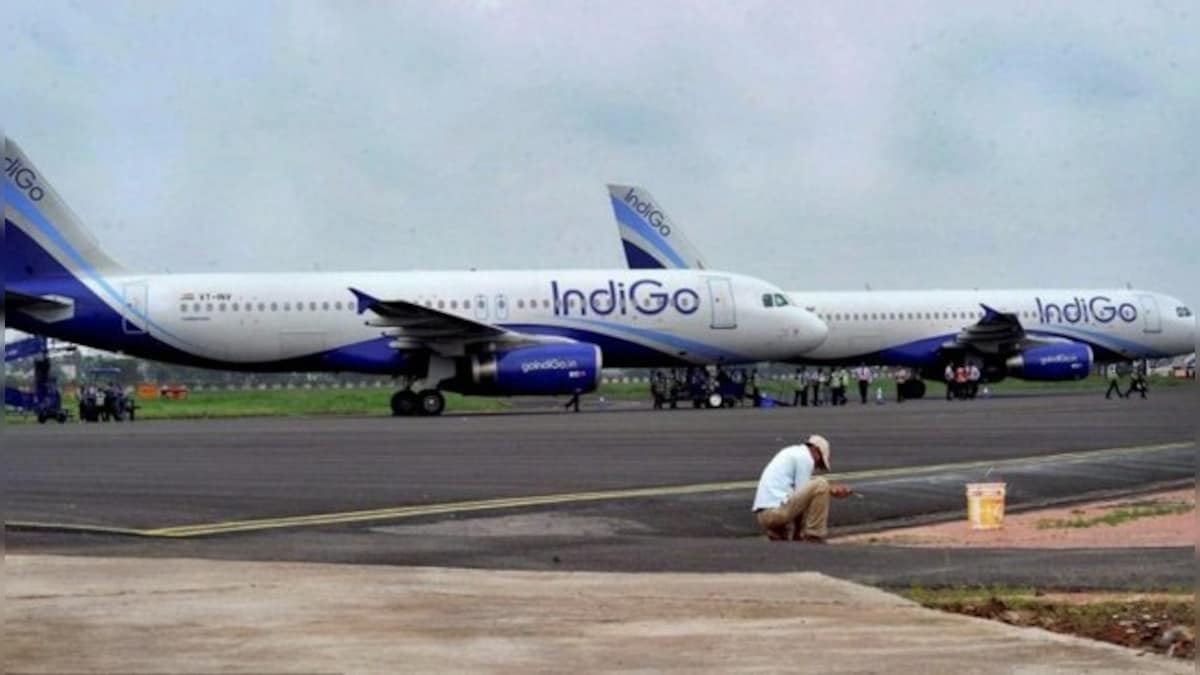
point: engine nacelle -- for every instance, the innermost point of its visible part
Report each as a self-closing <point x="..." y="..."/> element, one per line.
<point x="1051" y="363"/>
<point x="541" y="370"/>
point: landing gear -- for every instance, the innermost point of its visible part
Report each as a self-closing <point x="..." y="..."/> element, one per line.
<point x="912" y="389"/>
<point x="429" y="403"/>
<point x="404" y="403"/>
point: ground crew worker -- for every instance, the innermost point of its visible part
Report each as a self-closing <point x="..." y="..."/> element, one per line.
<point x="902" y="376"/>
<point x="863" y="375"/>
<point x="973" y="377"/>
<point x="837" y="387"/>
<point x="960" y="382"/>
<point x="1137" y="381"/>
<point x="790" y="497"/>
<point x="948" y="375"/>
<point x="800" y="396"/>
<point x="1114" y="382"/>
<point x="821" y="378"/>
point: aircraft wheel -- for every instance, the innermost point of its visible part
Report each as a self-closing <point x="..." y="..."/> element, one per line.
<point x="404" y="403"/>
<point x="62" y="418"/>
<point x="431" y="402"/>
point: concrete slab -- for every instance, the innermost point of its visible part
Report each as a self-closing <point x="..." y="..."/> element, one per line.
<point x="137" y="615"/>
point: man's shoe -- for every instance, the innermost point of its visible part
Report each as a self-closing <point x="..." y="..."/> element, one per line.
<point x="810" y="539"/>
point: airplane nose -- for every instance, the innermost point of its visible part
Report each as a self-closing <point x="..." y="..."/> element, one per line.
<point x="809" y="332"/>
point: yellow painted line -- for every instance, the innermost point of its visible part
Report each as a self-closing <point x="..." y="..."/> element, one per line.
<point x="73" y="527"/>
<point x="403" y="512"/>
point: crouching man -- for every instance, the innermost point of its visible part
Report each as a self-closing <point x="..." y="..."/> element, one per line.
<point x="790" y="497"/>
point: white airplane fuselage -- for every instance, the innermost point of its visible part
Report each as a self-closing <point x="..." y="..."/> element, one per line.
<point x="311" y="321"/>
<point x="907" y="327"/>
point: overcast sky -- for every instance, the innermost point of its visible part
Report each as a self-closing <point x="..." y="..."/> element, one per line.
<point x="818" y="145"/>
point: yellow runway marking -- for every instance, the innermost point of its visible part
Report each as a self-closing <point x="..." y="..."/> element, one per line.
<point x="403" y="512"/>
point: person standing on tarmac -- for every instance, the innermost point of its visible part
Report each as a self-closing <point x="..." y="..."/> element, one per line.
<point x="1137" y="381"/>
<point x="819" y="379"/>
<point x="1114" y="382"/>
<point x="948" y="376"/>
<point x="800" y="395"/>
<point x="863" y="375"/>
<point x="790" y="497"/>
<point x="960" y="382"/>
<point x="973" y="377"/>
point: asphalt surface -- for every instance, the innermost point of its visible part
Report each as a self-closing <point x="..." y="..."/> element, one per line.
<point x="149" y="476"/>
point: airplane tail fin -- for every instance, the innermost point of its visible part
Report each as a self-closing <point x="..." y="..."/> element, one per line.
<point x="650" y="239"/>
<point x="43" y="239"/>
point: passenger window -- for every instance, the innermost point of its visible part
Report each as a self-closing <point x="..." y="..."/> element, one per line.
<point x="768" y="301"/>
<point x="183" y="308"/>
<point x="312" y="306"/>
<point x="520" y="303"/>
<point x="274" y="307"/>
<point x="221" y="307"/>
<point x="299" y="306"/>
<point x="441" y="304"/>
<point x="262" y="307"/>
<point x="208" y="307"/>
<point x="466" y="304"/>
<point x="325" y="306"/>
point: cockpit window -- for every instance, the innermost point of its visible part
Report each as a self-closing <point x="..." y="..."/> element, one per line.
<point x="768" y="300"/>
<point x="1183" y="312"/>
<point x="780" y="301"/>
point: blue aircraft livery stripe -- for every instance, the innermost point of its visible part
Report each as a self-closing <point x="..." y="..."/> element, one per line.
<point x="638" y="258"/>
<point x="1108" y="342"/>
<point x="680" y="344"/>
<point x="27" y="209"/>
<point x="630" y="217"/>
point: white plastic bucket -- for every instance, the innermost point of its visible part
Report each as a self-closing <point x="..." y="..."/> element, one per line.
<point x="985" y="505"/>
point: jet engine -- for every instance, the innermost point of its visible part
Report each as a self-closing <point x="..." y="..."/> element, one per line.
<point x="1051" y="363"/>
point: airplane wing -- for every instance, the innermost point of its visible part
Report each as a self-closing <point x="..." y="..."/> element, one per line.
<point x="997" y="333"/>
<point x="418" y="325"/>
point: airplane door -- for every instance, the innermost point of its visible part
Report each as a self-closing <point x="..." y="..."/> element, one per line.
<point x="720" y="293"/>
<point x="501" y="307"/>
<point x="481" y="307"/>
<point x="1151" y="317"/>
<point x="136" y="310"/>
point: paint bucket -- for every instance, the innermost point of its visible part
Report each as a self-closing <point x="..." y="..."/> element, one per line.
<point x="985" y="505"/>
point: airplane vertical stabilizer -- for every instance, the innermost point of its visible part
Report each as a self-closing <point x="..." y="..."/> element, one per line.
<point x="42" y="237"/>
<point x="649" y="237"/>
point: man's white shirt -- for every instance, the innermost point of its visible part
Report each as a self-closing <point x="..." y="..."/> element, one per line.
<point x="789" y="469"/>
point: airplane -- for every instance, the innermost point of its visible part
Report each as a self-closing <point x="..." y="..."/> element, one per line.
<point x="501" y="333"/>
<point x="1033" y="334"/>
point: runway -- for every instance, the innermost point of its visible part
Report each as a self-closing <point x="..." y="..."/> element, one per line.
<point x="599" y="490"/>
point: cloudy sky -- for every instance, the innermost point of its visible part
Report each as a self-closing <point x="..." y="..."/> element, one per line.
<point x="819" y="145"/>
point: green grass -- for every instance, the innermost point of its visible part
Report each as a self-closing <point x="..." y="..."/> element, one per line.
<point x="1117" y="516"/>
<point x="283" y="403"/>
<point x="375" y="402"/>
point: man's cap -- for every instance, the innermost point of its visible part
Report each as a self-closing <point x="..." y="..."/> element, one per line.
<point x="822" y="447"/>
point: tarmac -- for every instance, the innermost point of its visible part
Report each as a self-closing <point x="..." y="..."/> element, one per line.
<point x="599" y="491"/>
<point x="347" y="545"/>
